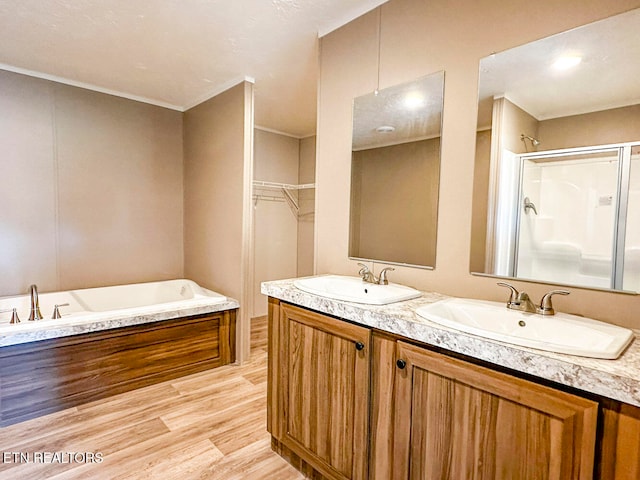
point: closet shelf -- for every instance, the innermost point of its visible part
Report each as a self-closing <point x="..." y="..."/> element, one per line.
<point x="286" y="192"/>
<point x="286" y="186"/>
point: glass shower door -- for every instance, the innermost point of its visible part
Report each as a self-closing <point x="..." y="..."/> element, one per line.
<point x="631" y="273"/>
<point x="568" y="217"/>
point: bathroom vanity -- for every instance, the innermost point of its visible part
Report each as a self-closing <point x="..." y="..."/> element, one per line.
<point x="364" y="391"/>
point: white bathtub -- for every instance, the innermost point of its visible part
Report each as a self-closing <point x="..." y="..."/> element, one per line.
<point x="95" y="309"/>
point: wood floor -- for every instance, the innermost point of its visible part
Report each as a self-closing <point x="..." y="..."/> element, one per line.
<point x="210" y="425"/>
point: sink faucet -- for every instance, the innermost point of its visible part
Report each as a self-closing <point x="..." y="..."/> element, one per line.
<point x="518" y="300"/>
<point x="34" y="314"/>
<point x="382" y="278"/>
<point x="545" y="307"/>
<point x="369" y="277"/>
<point x="521" y="301"/>
<point x="366" y="274"/>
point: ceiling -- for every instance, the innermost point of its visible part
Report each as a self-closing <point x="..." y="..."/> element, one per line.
<point x="607" y="77"/>
<point x="178" y="53"/>
<point x="402" y="113"/>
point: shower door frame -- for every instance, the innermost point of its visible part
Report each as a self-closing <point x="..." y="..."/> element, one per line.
<point x="621" y="196"/>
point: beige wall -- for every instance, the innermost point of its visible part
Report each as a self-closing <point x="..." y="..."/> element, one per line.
<point x="217" y="182"/>
<point x="275" y="225"/>
<point x="420" y="38"/>
<point x="480" y="205"/>
<point x="306" y="220"/>
<point x="91" y="190"/>
<point x="395" y="202"/>
<point x="598" y="128"/>
<point x="514" y="122"/>
<point x="282" y="239"/>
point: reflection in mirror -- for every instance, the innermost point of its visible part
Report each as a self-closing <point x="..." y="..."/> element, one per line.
<point x="557" y="181"/>
<point x="395" y="170"/>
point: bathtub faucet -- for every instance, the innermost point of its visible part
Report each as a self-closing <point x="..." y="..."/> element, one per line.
<point x="34" y="314"/>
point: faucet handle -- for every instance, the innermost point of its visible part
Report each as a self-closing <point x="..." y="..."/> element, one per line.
<point x="382" y="278"/>
<point x="56" y="311"/>
<point x="366" y="274"/>
<point x="546" y="308"/>
<point x="514" y="296"/>
<point x="14" y="315"/>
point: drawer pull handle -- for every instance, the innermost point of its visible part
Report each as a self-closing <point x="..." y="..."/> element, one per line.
<point x="359" y="346"/>
<point x="401" y="364"/>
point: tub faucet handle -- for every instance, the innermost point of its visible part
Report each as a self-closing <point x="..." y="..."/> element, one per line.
<point x="56" y="311"/>
<point x="14" y="315"/>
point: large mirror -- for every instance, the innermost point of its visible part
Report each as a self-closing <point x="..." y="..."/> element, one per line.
<point x="395" y="171"/>
<point x="557" y="172"/>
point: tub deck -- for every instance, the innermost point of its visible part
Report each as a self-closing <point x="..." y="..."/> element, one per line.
<point x="50" y="365"/>
<point x="98" y="309"/>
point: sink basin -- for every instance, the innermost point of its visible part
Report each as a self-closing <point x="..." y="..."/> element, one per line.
<point x="353" y="289"/>
<point x="561" y="333"/>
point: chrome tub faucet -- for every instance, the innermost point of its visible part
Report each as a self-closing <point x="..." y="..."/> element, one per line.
<point x="34" y="313"/>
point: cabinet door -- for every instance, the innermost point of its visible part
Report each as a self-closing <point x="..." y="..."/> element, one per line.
<point x="325" y="389"/>
<point x="619" y="454"/>
<point x="456" y="420"/>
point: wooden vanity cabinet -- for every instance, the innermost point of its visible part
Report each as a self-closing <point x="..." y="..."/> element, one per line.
<point x="319" y="391"/>
<point x="348" y="402"/>
<point x="456" y="420"/>
<point x="618" y="455"/>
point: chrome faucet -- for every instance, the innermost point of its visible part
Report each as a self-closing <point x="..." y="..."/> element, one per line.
<point x="34" y="313"/>
<point x="366" y="274"/>
<point x="369" y="277"/>
<point x="545" y="307"/>
<point x="520" y="301"/>
<point x="14" y="315"/>
<point x="382" y="278"/>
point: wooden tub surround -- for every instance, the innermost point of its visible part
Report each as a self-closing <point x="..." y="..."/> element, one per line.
<point x="348" y="401"/>
<point x="46" y="376"/>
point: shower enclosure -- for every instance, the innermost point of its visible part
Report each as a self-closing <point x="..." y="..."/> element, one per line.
<point x="571" y="216"/>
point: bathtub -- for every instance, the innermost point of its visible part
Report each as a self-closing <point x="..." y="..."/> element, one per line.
<point x="95" y="309"/>
<point x="109" y="340"/>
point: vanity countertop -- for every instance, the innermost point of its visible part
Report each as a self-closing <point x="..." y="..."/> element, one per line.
<point x="617" y="379"/>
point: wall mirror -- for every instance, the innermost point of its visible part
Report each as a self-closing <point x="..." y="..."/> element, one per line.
<point x="557" y="168"/>
<point x="395" y="171"/>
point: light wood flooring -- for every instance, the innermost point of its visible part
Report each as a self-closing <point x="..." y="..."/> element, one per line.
<point x="210" y="425"/>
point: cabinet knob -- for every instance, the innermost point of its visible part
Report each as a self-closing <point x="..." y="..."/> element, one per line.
<point x="359" y="346"/>
<point x="401" y="364"/>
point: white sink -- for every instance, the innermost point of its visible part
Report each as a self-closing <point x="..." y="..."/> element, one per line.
<point x="353" y="289"/>
<point x="561" y="333"/>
